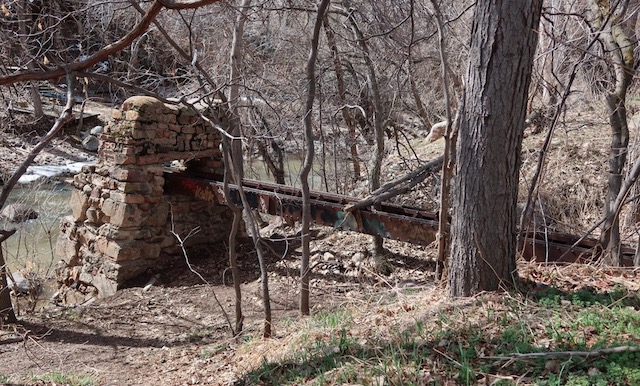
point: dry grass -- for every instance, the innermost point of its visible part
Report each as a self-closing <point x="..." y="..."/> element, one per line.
<point x="409" y="336"/>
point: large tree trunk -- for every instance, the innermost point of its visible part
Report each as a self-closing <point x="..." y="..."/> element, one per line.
<point x="491" y="127"/>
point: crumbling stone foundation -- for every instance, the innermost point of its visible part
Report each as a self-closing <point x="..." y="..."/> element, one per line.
<point x="122" y="221"/>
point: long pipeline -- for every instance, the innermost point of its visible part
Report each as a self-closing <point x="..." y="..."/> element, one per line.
<point x="391" y="221"/>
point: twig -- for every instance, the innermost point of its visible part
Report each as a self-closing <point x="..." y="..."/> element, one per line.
<point x="393" y="188"/>
<point x="561" y="354"/>
<point x="181" y="241"/>
<point x="524" y="219"/>
<point x="20" y="338"/>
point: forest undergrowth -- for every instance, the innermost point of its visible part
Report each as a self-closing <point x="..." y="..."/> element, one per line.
<point x="572" y="324"/>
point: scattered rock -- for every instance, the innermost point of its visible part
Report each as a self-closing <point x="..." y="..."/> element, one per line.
<point x="18" y="213"/>
<point x="357" y="257"/>
<point x="328" y="256"/>
<point x="97" y="130"/>
<point x="21" y="284"/>
<point x="90" y="143"/>
<point x="24" y="284"/>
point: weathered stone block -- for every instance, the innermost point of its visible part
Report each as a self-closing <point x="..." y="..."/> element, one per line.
<point x="135" y="187"/>
<point x="130" y="215"/>
<point x="157" y="215"/>
<point x="79" y="203"/>
<point x="122" y="250"/>
<point x="116" y="158"/>
<point x="122" y="213"/>
<point x="106" y="287"/>
<point x="128" y="174"/>
<point x="93" y="216"/>
<point x="147" y="234"/>
<point x="132" y="115"/>
<point x="167" y="142"/>
<point x="67" y="249"/>
<point x="141" y="134"/>
<point x="185" y="120"/>
<point x="128" y="198"/>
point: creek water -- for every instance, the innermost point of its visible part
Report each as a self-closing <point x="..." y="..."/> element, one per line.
<point x="257" y="170"/>
<point x="32" y="248"/>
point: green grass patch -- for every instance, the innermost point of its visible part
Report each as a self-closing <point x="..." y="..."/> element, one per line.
<point x="60" y="378"/>
<point x="331" y="319"/>
<point x="470" y="345"/>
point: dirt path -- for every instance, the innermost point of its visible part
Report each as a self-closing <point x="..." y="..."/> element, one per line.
<point x="175" y="333"/>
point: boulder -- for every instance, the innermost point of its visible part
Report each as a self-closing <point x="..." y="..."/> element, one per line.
<point x="18" y="213"/>
<point x="23" y="284"/>
<point x="91" y="143"/>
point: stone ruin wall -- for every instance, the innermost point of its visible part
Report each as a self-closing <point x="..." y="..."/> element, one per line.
<point x="121" y="219"/>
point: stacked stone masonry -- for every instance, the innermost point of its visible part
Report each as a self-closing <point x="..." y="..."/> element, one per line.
<point x="122" y="222"/>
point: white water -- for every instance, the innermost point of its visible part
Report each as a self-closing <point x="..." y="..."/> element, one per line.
<point x="35" y="173"/>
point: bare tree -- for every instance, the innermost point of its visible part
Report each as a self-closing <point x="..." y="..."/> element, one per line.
<point x="22" y="23"/>
<point x="378" y="128"/>
<point x="621" y="49"/>
<point x="449" y="149"/>
<point x="305" y="270"/>
<point x="342" y="97"/>
<point x="483" y="228"/>
<point x="236" y="151"/>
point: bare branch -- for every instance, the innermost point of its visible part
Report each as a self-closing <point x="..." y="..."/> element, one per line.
<point x="109" y="49"/>
<point x="393" y="188"/>
<point x="65" y="116"/>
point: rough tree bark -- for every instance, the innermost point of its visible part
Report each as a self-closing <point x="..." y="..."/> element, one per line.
<point x="308" y="160"/>
<point x="492" y="118"/>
